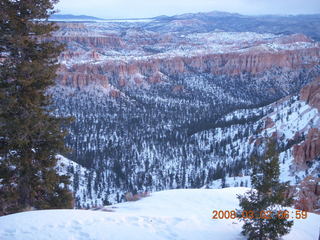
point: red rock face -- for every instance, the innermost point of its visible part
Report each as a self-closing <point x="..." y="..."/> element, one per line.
<point x="311" y="94"/>
<point x="308" y="195"/>
<point x="269" y="123"/>
<point x="308" y="150"/>
<point x="178" y="88"/>
<point x="115" y="93"/>
<point x="111" y="41"/>
<point x="80" y="80"/>
<point x="231" y="64"/>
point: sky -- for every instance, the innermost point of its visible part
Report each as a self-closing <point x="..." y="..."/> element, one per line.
<point x="152" y="8"/>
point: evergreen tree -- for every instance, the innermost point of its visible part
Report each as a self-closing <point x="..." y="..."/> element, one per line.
<point x="30" y="136"/>
<point x="223" y="181"/>
<point x="261" y="208"/>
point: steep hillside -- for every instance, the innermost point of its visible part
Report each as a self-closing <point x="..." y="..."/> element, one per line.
<point x="295" y="122"/>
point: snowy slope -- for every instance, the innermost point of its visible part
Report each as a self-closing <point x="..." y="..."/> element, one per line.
<point x="288" y="117"/>
<point x="174" y="214"/>
<point x="80" y="175"/>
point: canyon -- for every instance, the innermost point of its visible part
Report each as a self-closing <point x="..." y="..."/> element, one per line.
<point x="158" y="105"/>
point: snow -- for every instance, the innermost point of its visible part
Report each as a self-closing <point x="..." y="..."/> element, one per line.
<point x="84" y="20"/>
<point x="83" y="173"/>
<point x="173" y="44"/>
<point x="82" y="195"/>
<point x="173" y="214"/>
<point x="302" y="118"/>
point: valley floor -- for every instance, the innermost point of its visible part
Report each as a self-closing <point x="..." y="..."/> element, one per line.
<point x="173" y="214"/>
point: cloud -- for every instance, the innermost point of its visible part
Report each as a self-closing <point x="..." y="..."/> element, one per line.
<point x="151" y="8"/>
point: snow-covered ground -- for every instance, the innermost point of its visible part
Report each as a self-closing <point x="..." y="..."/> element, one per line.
<point x="173" y="214"/>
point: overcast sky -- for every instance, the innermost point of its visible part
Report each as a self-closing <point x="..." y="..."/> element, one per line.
<point x="152" y="8"/>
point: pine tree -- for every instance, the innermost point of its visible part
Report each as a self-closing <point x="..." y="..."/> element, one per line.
<point x="30" y="136"/>
<point x="261" y="208"/>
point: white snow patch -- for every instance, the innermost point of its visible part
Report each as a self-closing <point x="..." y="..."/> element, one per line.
<point x="173" y="214"/>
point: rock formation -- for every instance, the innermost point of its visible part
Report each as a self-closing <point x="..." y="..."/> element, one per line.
<point x="135" y="58"/>
<point x="308" y="195"/>
<point x="309" y="149"/>
<point x="311" y="94"/>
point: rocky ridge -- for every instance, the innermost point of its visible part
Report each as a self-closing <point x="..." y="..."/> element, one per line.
<point x="129" y="58"/>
